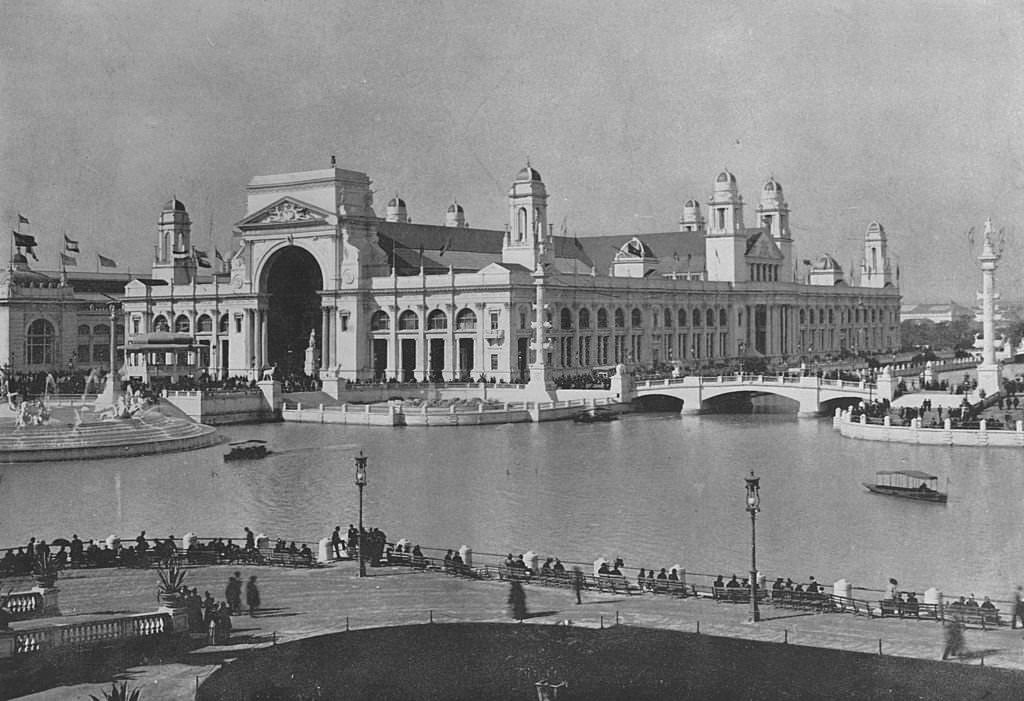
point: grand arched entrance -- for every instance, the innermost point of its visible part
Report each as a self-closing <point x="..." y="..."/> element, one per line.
<point x="292" y="280"/>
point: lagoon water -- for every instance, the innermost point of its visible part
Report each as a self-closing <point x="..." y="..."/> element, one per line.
<point x="654" y="489"/>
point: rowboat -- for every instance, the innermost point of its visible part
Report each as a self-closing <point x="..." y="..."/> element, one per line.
<point x="908" y="484"/>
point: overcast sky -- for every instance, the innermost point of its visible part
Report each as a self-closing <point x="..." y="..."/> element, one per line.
<point x="908" y="113"/>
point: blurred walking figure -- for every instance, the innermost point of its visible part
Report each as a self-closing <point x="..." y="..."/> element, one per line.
<point x="954" y="635"/>
<point x="1018" y="607"/>
<point x="252" y="595"/>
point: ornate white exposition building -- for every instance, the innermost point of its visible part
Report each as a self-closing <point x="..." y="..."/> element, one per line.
<point x="318" y="281"/>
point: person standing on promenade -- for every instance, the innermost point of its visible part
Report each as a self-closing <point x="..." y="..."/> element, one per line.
<point x="336" y="542"/>
<point x="577" y="584"/>
<point x="517" y="600"/>
<point x="252" y="595"/>
<point x="233" y="592"/>
<point x="1018" y="608"/>
<point x="250" y="540"/>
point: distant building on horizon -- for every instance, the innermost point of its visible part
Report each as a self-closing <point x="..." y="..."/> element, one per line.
<point x="936" y="313"/>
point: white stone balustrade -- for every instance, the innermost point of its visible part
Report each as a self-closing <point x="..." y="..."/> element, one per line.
<point x="39" y="640"/>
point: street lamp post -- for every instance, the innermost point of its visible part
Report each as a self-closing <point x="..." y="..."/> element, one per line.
<point x="361" y="482"/>
<point x="753" y="506"/>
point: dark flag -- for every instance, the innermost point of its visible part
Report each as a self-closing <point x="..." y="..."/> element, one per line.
<point x="447" y="244"/>
<point x="202" y="259"/>
<point x="24" y="240"/>
<point x="70" y="246"/>
<point x="576" y="242"/>
<point x="65" y="259"/>
<point x="22" y="219"/>
<point x="106" y="262"/>
<point x="27" y="242"/>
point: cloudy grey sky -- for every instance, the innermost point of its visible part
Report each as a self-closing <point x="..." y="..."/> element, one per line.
<point x="906" y="112"/>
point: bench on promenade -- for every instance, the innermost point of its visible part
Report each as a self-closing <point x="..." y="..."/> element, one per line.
<point x="615" y="583"/>
<point x="737" y="595"/>
<point x="801" y="600"/>
<point x="845" y="604"/>
<point x="283" y="558"/>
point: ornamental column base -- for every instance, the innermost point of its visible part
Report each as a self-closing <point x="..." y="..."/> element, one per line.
<point x="989" y="377"/>
<point x="540" y="387"/>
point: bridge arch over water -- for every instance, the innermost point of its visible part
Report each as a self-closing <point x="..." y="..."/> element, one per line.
<point x="813" y="395"/>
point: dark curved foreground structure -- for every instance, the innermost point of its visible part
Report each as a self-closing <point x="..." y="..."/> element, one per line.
<point x="505" y="661"/>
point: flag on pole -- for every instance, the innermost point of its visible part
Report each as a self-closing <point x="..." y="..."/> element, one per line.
<point x="24" y="240"/>
<point x="22" y="219"/>
<point x="65" y="259"/>
<point x="202" y="259"/>
<point x="70" y="246"/>
<point x="576" y="242"/>
<point x="27" y="242"/>
<point x="106" y="262"/>
<point x="217" y="254"/>
<point x="445" y="246"/>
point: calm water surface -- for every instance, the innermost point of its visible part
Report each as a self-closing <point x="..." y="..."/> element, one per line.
<point x="654" y="489"/>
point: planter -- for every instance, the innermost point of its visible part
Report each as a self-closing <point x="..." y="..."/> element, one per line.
<point x="170" y="599"/>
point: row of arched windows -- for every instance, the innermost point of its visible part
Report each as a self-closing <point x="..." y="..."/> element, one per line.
<point x="667" y="318"/>
<point x="437" y="320"/>
<point x="183" y="324"/>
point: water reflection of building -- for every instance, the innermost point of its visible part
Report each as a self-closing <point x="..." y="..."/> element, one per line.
<point x="390" y="298"/>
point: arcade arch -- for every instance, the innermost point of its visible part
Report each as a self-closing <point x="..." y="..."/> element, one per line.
<point x="292" y="281"/>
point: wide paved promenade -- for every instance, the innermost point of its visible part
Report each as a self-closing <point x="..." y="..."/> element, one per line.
<point x="301" y="603"/>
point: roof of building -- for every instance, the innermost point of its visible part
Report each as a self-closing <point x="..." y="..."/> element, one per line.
<point x="675" y="251"/>
<point x="464" y="249"/>
<point x="174" y="205"/>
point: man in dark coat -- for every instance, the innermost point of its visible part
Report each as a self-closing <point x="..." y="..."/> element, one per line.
<point x="252" y="595"/>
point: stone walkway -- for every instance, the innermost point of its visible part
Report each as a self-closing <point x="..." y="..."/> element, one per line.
<point x="304" y="603"/>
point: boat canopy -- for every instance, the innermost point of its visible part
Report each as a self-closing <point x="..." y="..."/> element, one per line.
<point x="912" y="474"/>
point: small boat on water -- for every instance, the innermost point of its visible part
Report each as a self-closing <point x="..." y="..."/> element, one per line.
<point x="246" y="450"/>
<point x="594" y="415"/>
<point x="908" y="484"/>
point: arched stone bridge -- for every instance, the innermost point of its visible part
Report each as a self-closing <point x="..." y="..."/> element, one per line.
<point x="815" y="395"/>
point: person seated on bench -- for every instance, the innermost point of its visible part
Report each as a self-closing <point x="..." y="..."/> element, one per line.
<point x="910" y="604"/>
<point x="417" y="557"/>
<point x="603" y="569"/>
<point x="662" y="583"/>
<point x="306" y="553"/>
<point x="733" y="586"/>
<point x="545" y="569"/>
<point x="558" y="568"/>
<point x="456" y="563"/>
<point x="777" y="588"/>
<point x="640" y="579"/>
<point x="972" y="603"/>
<point x="813" y="587"/>
<point x="673" y="578"/>
<point x="293" y="549"/>
<point x="989" y="610"/>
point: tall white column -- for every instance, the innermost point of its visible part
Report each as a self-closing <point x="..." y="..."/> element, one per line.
<point x="540" y="385"/>
<point x="988" y="370"/>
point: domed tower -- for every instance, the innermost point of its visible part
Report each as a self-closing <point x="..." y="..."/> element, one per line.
<point x="692" y="219"/>
<point x="875" y="269"/>
<point x="528" y="239"/>
<point x="773" y="216"/>
<point x="173" y="261"/>
<point x="455" y="216"/>
<point x="725" y="240"/>
<point x="395" y="211"/>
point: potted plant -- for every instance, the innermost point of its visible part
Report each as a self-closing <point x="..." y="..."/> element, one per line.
<point x="171" y="576"/>
<point x="45" y="568"/>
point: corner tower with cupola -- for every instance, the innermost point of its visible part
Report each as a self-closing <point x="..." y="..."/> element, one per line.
<point x="528" y="240"/>
<point x="725" y="242"/>
<point x="173" y="261"/>
<point x="773" y="215"/>
<point x="875" y="269"/>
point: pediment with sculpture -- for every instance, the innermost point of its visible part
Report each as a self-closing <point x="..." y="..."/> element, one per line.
<point x="286" y="212"/>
